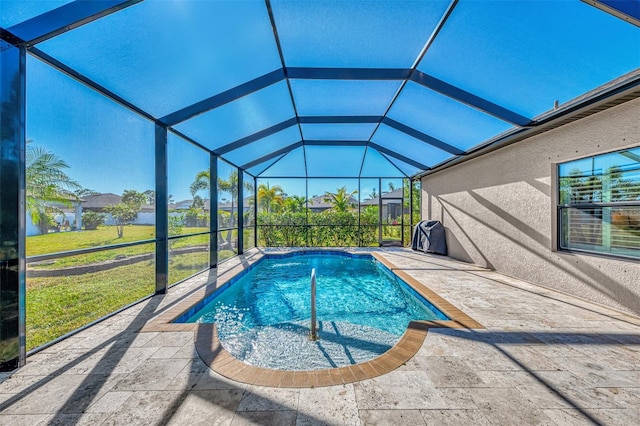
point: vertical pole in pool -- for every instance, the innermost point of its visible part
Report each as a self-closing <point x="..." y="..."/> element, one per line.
<point x="313" y="335"/>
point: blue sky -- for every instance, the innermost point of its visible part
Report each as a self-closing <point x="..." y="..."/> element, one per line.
<point x="108" y="148"/>
<point x="523" y="55"/>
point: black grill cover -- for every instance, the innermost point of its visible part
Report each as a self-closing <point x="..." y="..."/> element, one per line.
<point x="429" y="237"/>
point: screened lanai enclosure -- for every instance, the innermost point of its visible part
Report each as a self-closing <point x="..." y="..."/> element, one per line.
<point x="144" y="142"/>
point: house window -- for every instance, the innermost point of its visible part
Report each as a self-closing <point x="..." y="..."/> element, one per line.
<point x="599" y="204"/>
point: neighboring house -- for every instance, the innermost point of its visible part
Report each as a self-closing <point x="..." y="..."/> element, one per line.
<point x="391" y="203"/>
<point x="98" y="202"/>
<point x="181" y="207"/>
<point x="226" y="206"/>
<point x="185" y="205"/>
<point x="67" y="218"/>
<point x="147" y="215"/>
<point x="320" y="203"/>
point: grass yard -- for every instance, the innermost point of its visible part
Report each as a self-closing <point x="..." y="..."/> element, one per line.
<point x="182" y="266"/>
<point x="9" y="348"/>
<point x="58" y="305"/>
<point x="68" y="241"/>
<point x="103" y="236"/>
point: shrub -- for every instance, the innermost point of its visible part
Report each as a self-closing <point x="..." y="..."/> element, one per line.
<point x="91" y="220"/>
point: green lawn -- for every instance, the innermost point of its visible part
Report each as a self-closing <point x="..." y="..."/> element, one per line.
<point x="9" y="349"/>
<point x="58" y="305"/>
<point x="184" y="265"/>
<point x="103" y="236"/>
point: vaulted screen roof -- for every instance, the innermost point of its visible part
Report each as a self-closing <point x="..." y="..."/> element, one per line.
<point x="337" y="88"/>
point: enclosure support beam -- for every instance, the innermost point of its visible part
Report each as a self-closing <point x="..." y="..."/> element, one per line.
<point x="255" y="211"/>
<point x="625" y="10"/>
<point x="410" y="212"/>
<point x="223" y="98"/>
<point x="12" y="207"/>
<point x="380" y="212"/>
<point x="240" y="212"/>
<point x="66" y="18"/>
<point x="256" y="136"/>
<point x="272" y="155"/>
<point x="397" y="156"/>
<point x="470" y="99"/>
<point x="213" y="211"/>
<point x="162" y="211"/>
<point x="422" y="136"/>
<point x="360" y="244"/>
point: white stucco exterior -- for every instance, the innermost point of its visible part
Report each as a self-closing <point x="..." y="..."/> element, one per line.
<point x="499" y="209"/>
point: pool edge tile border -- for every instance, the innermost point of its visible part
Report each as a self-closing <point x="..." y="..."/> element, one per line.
<point x="212" y="353"/>
<point x="222" y="362"/>
<point x="458" y="318"/>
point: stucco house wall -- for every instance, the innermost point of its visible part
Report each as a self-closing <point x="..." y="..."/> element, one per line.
<point x="499" y="209"/>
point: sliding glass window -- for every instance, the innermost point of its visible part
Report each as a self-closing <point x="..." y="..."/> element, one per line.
<point x="599" y="204"/>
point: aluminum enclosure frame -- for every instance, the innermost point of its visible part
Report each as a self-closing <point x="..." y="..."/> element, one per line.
<point x="23" y="38"/>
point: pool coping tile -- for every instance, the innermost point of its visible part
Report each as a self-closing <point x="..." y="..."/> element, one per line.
<point x="222" y="362"/>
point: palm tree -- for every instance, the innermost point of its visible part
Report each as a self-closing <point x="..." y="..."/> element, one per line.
<point x="270" y="195"/>
<point x="47" y="185"/>
<point x="85" y="192"/>
<point x="230" y="186"/>
<point x="201" y="182"/>
<point x="295" y="203"/>
<point x="374" y="194"/>
<point x="341" y="200"/>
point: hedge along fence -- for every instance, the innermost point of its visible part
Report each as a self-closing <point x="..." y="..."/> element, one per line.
<point x="326" y="229"/>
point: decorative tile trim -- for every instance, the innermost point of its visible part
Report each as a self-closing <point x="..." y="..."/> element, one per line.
<point x="458" y="318"/>
<point x="222" y="362"/>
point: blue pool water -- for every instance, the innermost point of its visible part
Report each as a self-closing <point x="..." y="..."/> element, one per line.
<point x="362" y="310"/>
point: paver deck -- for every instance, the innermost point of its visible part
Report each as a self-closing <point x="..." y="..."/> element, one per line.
<point x="543" y="358"/>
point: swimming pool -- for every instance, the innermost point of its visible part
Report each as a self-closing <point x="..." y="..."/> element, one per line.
<point x="263" y="315"/>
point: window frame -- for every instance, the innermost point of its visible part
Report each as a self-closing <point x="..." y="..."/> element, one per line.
<point x="560" y="207"/>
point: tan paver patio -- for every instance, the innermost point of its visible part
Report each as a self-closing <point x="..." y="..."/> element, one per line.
<point x="543" y="358"/>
